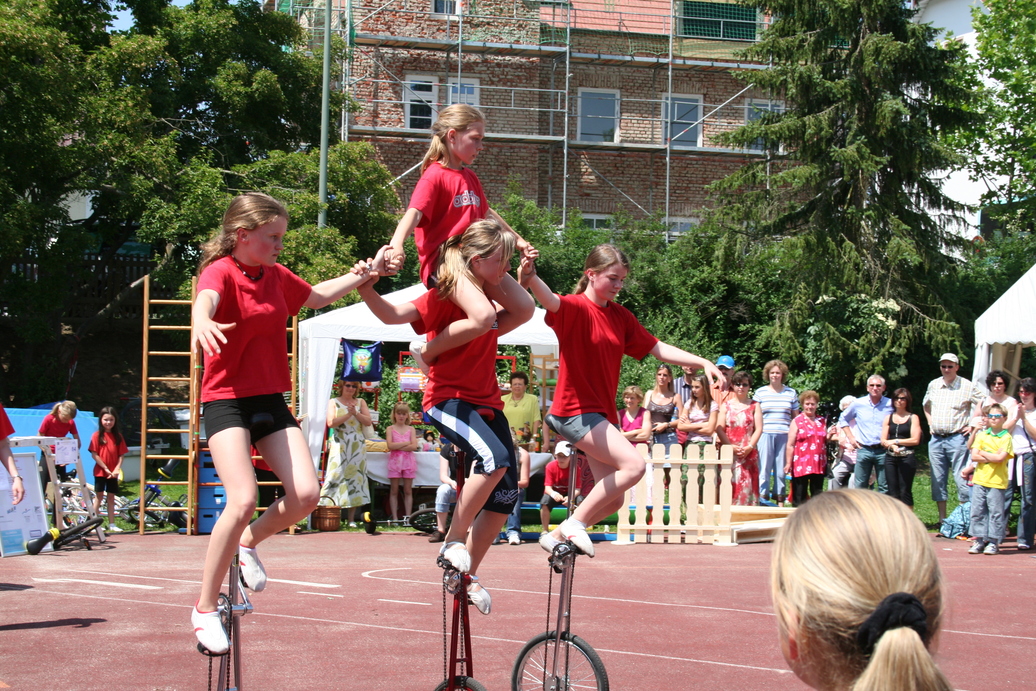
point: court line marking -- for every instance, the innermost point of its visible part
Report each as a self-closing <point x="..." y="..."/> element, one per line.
<point x="330" y="586"/>
<point x="303" y="592"/>
<point x="106" y="584"/>
<point x="406" y="602"/>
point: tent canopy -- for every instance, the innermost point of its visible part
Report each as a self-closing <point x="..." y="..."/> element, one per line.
<point x="1005" y="329"/>
<point x="318" y="350"/>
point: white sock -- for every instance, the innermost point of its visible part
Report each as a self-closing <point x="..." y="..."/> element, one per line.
<point x="246" y="550"/>
<point x="573" y="523"/>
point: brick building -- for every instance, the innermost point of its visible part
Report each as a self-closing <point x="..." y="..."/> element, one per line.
<point x="590" y="104"/>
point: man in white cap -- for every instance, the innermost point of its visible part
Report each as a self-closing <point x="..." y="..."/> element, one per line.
<point x="949" y="404"/>
<point x="555" y="482"/>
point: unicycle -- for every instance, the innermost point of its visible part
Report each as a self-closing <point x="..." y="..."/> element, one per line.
<point x="457" y="663"/>
<point x="558" y="660"/>
<point x="232" y="605"/>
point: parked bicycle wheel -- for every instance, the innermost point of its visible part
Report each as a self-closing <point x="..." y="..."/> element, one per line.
<point x="579" y="665"/>
<point x="424" y="520"/>
<point x="461" y="682"/>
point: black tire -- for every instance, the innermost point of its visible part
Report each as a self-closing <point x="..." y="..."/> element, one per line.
<point x="584" y="667"/>
<point x="423" y="520"/>
<point x="368" y="523"/>
<point x="76" y="532"/>
<point x="177" y="518"/>
<point x="461" y="682"/>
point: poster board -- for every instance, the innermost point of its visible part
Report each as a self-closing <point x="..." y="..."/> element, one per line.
<point x="28" y="519"/>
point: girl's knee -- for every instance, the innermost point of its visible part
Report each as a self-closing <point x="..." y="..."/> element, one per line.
<point x="308" y="498"/>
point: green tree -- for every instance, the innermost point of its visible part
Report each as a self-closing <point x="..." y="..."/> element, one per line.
<point x="1003" y="147"/>
<point x="847" y="189"/>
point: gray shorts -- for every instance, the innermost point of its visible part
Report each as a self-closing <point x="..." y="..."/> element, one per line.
<point x="575" y="427"/>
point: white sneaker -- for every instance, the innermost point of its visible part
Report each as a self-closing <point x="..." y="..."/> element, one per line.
<point x="514" y="539"/>
<point x="457" y="554"/>
<point x="548" y="542"/>
<point x="252" y="571"/>
<point x="209" y="630"/>
<point x="578" y="537"/>
<point x="112" y="528"/>
<point x="479" y="596"/>
<point x="418" y="355"/>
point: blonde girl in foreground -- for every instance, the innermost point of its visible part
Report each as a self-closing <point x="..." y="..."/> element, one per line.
<point x="858" y="595"/>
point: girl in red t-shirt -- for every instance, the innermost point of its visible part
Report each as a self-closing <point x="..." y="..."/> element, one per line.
<point x="584" y="411"/>
<point x="463" y="398"/>
<point x="447" y="199"/>
<point x="239" y="316"/>
<point x="107" y="448"/>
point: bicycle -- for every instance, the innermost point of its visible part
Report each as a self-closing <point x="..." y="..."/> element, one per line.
<point x="456" y="583"/>
<point x="153" y="519"/>
<point x="423" y="520"/>
<point x="232" y="605"/>
<point x="60" y="538"/>
<point x="558" y="660"/>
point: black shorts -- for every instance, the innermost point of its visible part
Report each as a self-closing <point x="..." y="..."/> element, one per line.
<point x="261" y="415"/>
<point x="108" y="485"/>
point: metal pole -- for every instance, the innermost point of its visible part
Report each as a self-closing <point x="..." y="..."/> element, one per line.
<point x="325" y="116"/>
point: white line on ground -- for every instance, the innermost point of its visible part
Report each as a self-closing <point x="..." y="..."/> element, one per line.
<point x="111" y="584"/>
<point x="308" y="585"/>
<point x="303" y="592"/>
<point x="406" y="602"/>
<point x="145" y="578"/>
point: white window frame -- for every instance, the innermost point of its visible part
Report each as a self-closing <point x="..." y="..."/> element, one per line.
<point x="411" y="98"/>
<point x="579" y="116"/>
<point x="673" y="229"/>
<point x="761" y="104"/>
<point x="591" y="220"/>
<point x="453" y="95"/>
<point x="669" y="127"/>
<point x="458" y="8"/>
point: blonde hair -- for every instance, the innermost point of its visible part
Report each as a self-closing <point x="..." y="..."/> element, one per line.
<point x="459" y="117"/>
<point x="635" y="390"/>
<point x="249" y="211"/>
<point x="66" y="408"/>
<point x="482" y="239"/>
<point x="837" y="558"/>
<point x="401" y="407"/>
<point x="599" y="259"/>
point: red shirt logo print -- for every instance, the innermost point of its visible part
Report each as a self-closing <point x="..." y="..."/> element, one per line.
<point x="466" y="198"/>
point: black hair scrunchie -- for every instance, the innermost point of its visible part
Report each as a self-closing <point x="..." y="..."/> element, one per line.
<point x="895" y="611"/>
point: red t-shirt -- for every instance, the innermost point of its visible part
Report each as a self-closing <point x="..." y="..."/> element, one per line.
<point x="254" y="360"/>
<point x="593" y="340"/>
<point x="557" y="477"/>
<point x="52" y="427"/>
<point x="467" y="373"/>
<point x="108" y="451"/>
<point x="449" y="201"/>
<point x="6" y="428"/>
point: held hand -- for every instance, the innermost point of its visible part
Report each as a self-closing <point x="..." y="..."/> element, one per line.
<point x="394" y="257"/>
<point x="382" y="265"/>
<point x="209" y="334"/>
<point x="526" y="270"/>
<point x="528" y="251"/>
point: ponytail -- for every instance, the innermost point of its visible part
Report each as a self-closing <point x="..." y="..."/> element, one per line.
<point x="901" y="661"/>
<point x="459" y="117"/>
<point x="249" y="211"/>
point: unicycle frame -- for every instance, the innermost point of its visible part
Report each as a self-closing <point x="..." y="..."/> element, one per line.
<point x="455" y="582"/>
<point x="234" y="605"/>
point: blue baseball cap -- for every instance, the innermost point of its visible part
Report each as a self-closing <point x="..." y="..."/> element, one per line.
<point x="725" y="361"/>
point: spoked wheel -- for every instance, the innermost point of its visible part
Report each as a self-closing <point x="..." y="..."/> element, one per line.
<point x="78" y="533"/>
<point x="461" y="682"/>
<point x="423" y="520"/>
<point x="579" y="666"/>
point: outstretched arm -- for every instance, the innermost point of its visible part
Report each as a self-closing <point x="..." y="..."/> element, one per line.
<point x="542" y="292"/>
<point x="676" y="356"/>
<point x="385" y="310"/>
<point x="323" y="294"/>
<point x="404" y="229"/>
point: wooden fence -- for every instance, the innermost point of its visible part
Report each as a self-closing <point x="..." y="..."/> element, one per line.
<point x="695" y="511"/>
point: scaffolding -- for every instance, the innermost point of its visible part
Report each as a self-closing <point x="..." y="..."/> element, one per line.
<point x="544" y="74"/>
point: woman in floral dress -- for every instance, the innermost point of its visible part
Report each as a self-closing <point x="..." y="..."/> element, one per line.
<point x="740" y="424"/>
<point x="345" y="482"/>
<point x="806" y="455"/>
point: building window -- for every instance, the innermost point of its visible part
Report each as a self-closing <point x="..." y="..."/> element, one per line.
<point x="465" y="90"/>
<point x="446" y="7"/>
<point x="677" y="226"/>
<point x="598" y="115"/>
<point x="597" y="221"/>
<point x="420" y="100"/>
<point x="681" y="122"/>
<point x="718" y="20"/>
<point x="755" y="110"/>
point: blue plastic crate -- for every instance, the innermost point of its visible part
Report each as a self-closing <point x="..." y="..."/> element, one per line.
<point x="206" y="468"/>
<point x="207" y="519"/>
<point x="212" y="498"/>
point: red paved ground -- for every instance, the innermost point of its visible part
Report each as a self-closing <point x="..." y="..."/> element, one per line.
<point x="365" y="614"/>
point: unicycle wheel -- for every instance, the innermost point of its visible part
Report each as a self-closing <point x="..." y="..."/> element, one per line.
<point x="461" y="682"/>
<point x="368" y="523"/>
<point x="581" y="666"/>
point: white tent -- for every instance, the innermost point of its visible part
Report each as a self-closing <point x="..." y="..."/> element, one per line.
<point x="1005" y="329"/>
<point x="318" y="350"/>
